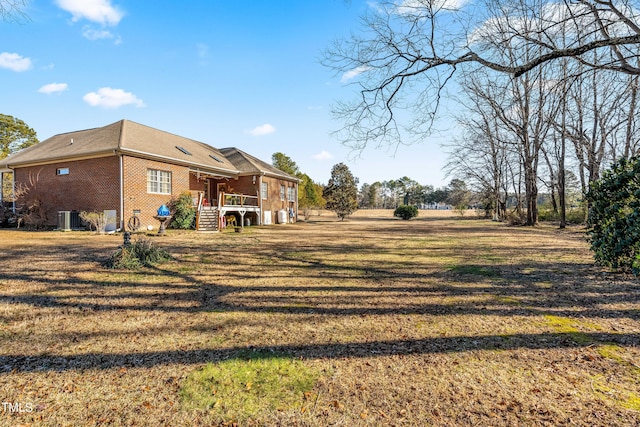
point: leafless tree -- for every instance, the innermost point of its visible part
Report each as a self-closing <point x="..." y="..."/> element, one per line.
<point x="593" y="118"/>
<point x="408" y="51"/>
<point x="481" y="157"/>
<point x="624" y="140"/>
<point x="13" y="10"/>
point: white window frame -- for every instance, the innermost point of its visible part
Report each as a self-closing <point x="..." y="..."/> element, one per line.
<point x="264" y="191"/>
<point x="282" y="192"/>
<point x="158" y="181"/>
<point x="291" y="194"/>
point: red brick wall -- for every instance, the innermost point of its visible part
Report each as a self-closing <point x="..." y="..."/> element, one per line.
<point x="91" y="185"/>
<point x="135" y="188"/>
<point x="242" y="185"/>
<point x="274" y="204"/>
<point x="94" y="185"/>
<point x="196" y="185"/>
<point x="245" y="185"/>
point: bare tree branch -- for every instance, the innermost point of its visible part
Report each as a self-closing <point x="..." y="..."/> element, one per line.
<point x="408" y="52"/>
<point x="13" y="10"/>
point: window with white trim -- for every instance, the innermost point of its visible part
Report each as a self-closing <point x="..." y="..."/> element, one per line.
<point x="158" y="182"/>
<point x="264" y="189"/>
<point x="292" y="194"/>
<point x="282" y="187"/>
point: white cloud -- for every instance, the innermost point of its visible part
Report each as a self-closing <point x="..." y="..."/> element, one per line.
<point x="92" y="34"/>
<point x="112" y="98"/>
<point x="53" y="88"/>
<point x="353" y="73"/>
<point x="555" y="19"/>
<point x="261" y="130"/>
<point x="323" y="155"/>
<point x="14" y="62"/>
<point x="98" y="11"/>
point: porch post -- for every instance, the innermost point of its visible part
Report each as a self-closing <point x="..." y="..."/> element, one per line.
<point x="242" y="212"/>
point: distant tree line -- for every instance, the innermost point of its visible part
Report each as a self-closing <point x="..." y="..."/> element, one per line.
<point x="406" y="191"/>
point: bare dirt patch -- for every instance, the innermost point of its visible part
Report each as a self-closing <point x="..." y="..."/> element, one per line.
<point x="440" y="320"/>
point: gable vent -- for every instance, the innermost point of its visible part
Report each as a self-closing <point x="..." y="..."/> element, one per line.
<point x="184" y="150"/>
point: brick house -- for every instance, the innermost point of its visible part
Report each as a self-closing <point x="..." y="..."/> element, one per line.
<point x="133" y="169"/>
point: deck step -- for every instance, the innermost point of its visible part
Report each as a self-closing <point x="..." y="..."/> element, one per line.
<point x="208" y="220"/>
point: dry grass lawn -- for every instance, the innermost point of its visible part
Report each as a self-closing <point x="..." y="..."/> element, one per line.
<point x="440" y="321"/>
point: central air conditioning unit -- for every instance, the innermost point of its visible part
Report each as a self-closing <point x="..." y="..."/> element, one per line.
<point x="76" y="221"/>
<point x="64" y="220"/>
<point x="69" y="220"/>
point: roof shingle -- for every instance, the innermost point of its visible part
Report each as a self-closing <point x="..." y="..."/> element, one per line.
<point x="125" y="137"/>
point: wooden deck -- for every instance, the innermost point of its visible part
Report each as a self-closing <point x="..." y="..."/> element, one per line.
<point x="228" y="203"/>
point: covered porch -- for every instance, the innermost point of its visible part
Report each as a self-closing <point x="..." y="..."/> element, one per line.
<point x="223" y="202"/>
<point x="232" y="210"/>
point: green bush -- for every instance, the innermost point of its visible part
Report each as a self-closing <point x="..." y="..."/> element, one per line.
<point x="574" y="215"/>
<point x="614" y="216"/>
<point x="141" y="253"/>
<point x="546" y="213"/>
<point x="406" y="212"/>
<point x="577" y="215"/>
<point x="184" y="213"/>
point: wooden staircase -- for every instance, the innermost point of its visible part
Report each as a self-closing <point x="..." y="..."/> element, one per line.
<point x="207" y="219"/>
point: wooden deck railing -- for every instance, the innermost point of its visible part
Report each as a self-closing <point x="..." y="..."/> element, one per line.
<point x="198" y="204"/>
<point x="237" y="200"/>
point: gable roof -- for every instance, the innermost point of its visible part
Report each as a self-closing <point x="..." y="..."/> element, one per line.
<point x="250" y="165"/>
<point x="125" y="137"/>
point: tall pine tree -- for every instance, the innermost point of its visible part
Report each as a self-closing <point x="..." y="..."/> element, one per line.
<point x="341" y="193"/>
<point x="15" y="135"/>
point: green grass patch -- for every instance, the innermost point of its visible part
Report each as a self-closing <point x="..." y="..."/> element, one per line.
<point x="612" y="352"/>
<point x="569" y="326"/>
<point x="477" y="270"/>
<point x="617" y="354"/>
<point x="252" y="383"/>
<point x="628" y="399"/>
<point x="632" y="402"/>
<point x="620" y="395"/>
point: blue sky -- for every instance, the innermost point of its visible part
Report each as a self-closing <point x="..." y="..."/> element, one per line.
<point x="227" y="73"/>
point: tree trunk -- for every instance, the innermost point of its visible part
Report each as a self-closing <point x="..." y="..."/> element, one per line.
<point x="531" y="195"/>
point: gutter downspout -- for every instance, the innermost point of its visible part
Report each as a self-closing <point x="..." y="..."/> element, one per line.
<point x="13" y="189"/>
<point x="261" y="215"/>
<point x="121" y="192"/>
